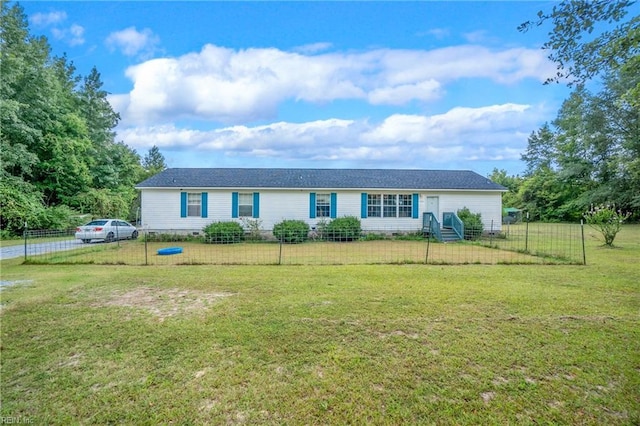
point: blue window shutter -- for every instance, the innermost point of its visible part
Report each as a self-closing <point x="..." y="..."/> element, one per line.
<point x="204" y="206"/>
<point x="183" y="204"/>
<point x="363" y="205"/>
<point x="312" y="205"/>
<point x="234" y="204"/>
<point x="256" y="205"/>
<point x="334" y="205"/>
<point x="416" y="206"/>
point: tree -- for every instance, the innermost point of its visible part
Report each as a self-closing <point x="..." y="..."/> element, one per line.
<point x="512" y="183"/>
<point x="540" y="150"/>
<point x="101" y="120"/>
<point x="581" y="43"/>
<point x="57" y="140"/>
<point x="590" y="152"/>
<point x="153" y="163"/>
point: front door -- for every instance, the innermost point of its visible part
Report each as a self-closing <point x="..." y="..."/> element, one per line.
<point x="433" y="206"/>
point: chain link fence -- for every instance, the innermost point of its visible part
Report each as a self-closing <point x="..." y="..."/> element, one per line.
<point x="525" y="243"/>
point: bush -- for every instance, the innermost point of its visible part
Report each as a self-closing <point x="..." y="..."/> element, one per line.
<point x="346" y="228"/>
<point x="223" y="233"/>
<point x="472" y="222"/>
<point x="291" y="231"/>
<point x="58" y="217"/>
<point x="171" y="238"/>
<point x="607" y="220"/>
<point x="252" y="229"/>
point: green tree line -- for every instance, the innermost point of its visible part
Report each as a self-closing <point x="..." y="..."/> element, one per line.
<point x="59" y="156"/>
<point x="590" y="154"/>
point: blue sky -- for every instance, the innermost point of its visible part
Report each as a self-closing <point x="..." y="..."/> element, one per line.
<point x="429" y="85"/>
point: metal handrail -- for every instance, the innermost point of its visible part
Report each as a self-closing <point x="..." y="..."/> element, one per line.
<point x="451" y="220"/>
<point x="431" y="225"/>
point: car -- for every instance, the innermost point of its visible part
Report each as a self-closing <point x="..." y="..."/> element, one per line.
<point x="106" y="229"/>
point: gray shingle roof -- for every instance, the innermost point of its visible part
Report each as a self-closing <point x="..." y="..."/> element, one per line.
<point x="320" y="179"/>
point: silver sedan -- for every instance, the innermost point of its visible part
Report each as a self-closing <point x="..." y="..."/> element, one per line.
<point x="106" y="229"/>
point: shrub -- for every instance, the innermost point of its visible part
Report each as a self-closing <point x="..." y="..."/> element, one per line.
<point x="346" y="228"/>
<point x="171" y="238"/>
<point x="607" y="220"/>
<point x="291" y="231"/>
<point x="252" y="229"/>
<point x="58" y="217"/>
<point x="472" y="222"/>
<point x="223" y="233"/>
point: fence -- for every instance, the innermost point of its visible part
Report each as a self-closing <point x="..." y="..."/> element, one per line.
<point x="526" y="243"/>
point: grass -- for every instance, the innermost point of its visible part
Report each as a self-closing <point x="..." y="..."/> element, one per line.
<point x="375" y="344"/>
<point x="312" y="253"/>
<point x="537" y="243"/>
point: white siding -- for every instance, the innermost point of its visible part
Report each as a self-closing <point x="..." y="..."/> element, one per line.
<point x="488" y="204"/>
<point x="161" y="208"/>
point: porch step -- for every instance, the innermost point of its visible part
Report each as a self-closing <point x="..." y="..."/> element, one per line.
<point x="449" y="235"/>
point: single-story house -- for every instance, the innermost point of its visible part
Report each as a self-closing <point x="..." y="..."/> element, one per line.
<point x="188" y="199"/>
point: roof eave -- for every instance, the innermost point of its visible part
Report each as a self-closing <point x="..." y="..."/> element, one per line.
<point x="221" y="188"/>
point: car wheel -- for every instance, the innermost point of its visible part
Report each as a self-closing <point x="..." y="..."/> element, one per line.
<point x="134" y="235"/>
<point x="109" y="238"/>
<point x="86" y="241"/>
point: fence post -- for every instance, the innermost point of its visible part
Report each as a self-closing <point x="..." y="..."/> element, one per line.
<point x="426" y="258"/>
<point x="526" y="236"/>
<point x="491" y="234"/>
<point x="146" y="258"/>
<point x="280" y="254"/>
<point x="584" y="253"/>
<point x="26" y="229"/>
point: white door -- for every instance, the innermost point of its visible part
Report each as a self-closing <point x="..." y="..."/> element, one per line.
<point x="433" y="206"/>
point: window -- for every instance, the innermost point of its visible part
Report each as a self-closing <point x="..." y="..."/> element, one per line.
<point x="194" y="204"/>
<point x="390" y="205"/>
<point x="323" y="205"/>
<point x="245" y="204"/>
<point x="374" y="204"/>
<point x="405" y="205"/>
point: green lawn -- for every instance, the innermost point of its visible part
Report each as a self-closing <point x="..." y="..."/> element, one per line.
<point x="348" y="344"/>
<point x="535" y="243"/>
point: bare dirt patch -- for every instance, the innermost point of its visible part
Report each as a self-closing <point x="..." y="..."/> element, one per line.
<point x="163" y="303"/>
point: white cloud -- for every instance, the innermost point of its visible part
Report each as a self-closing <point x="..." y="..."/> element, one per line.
<point x="46" y="19"/>
<point x="455" y="127"/>
<point x="132" y="42"/>
<point x="236" y="86"/>
<point x="312" y="48"/>
<point x="401" y="94"/>
<point x="480" y="36"/>
<point x="490" y="133"/>
<point x="74" y="35"/>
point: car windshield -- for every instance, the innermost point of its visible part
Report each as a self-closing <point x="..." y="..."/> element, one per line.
<point x="97" y="223"/>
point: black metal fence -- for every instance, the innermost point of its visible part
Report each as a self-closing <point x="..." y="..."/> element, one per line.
<point x="525" y="243"/>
